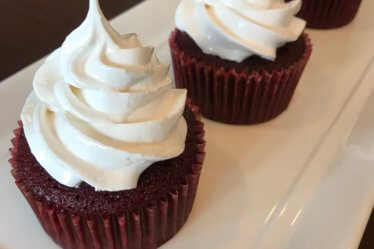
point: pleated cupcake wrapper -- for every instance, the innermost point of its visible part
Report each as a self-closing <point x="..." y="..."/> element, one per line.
<point x="324" y="14"/>
<point x="145" y="228"/>
<point x="235" y="97"/>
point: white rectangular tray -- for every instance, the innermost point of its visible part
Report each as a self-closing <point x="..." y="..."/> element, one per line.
<point x="273" y="185"/>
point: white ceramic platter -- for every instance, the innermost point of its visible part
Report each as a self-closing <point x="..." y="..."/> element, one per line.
<point x="288" y="183"/>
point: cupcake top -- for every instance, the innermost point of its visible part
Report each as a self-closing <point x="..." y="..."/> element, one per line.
<point x="237" y="29"/>
<point x="103" y="109"/>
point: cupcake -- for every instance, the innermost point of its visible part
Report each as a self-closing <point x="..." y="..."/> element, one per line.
<point x="239" y="60"/>
<point x="327" y="14"/>
<point x="107" y="154"/>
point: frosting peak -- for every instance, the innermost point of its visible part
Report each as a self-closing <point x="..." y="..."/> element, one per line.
<point x="237" y="29"/>
<point x="103" y="109"/>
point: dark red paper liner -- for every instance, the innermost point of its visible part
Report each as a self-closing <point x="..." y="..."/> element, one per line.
<point x="145" y="228"/>
<point x="234" y="97"/>
<point x="326" y="14"/>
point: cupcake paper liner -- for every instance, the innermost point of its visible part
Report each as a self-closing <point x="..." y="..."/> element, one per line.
<point x="325" y="14"/>
<point x="143" y="228"/>
<point x="234" y="97"/>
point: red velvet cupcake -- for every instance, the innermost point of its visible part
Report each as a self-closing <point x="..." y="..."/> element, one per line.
<point x="107" y="154"/>
<point x="236" y="70"/>
<point x="328" y="14"/>
<point x="144" y="217"/>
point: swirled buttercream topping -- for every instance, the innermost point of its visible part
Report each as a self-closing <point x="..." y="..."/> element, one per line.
<point x="103" y="109"/>
<point x="237" y="29"/>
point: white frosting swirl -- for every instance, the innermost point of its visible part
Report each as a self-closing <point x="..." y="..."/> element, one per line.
<point x="103" y="109"/>
<point x="237" y="29"/>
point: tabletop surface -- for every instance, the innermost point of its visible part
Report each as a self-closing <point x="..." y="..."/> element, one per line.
<point x="32" y="28"/>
